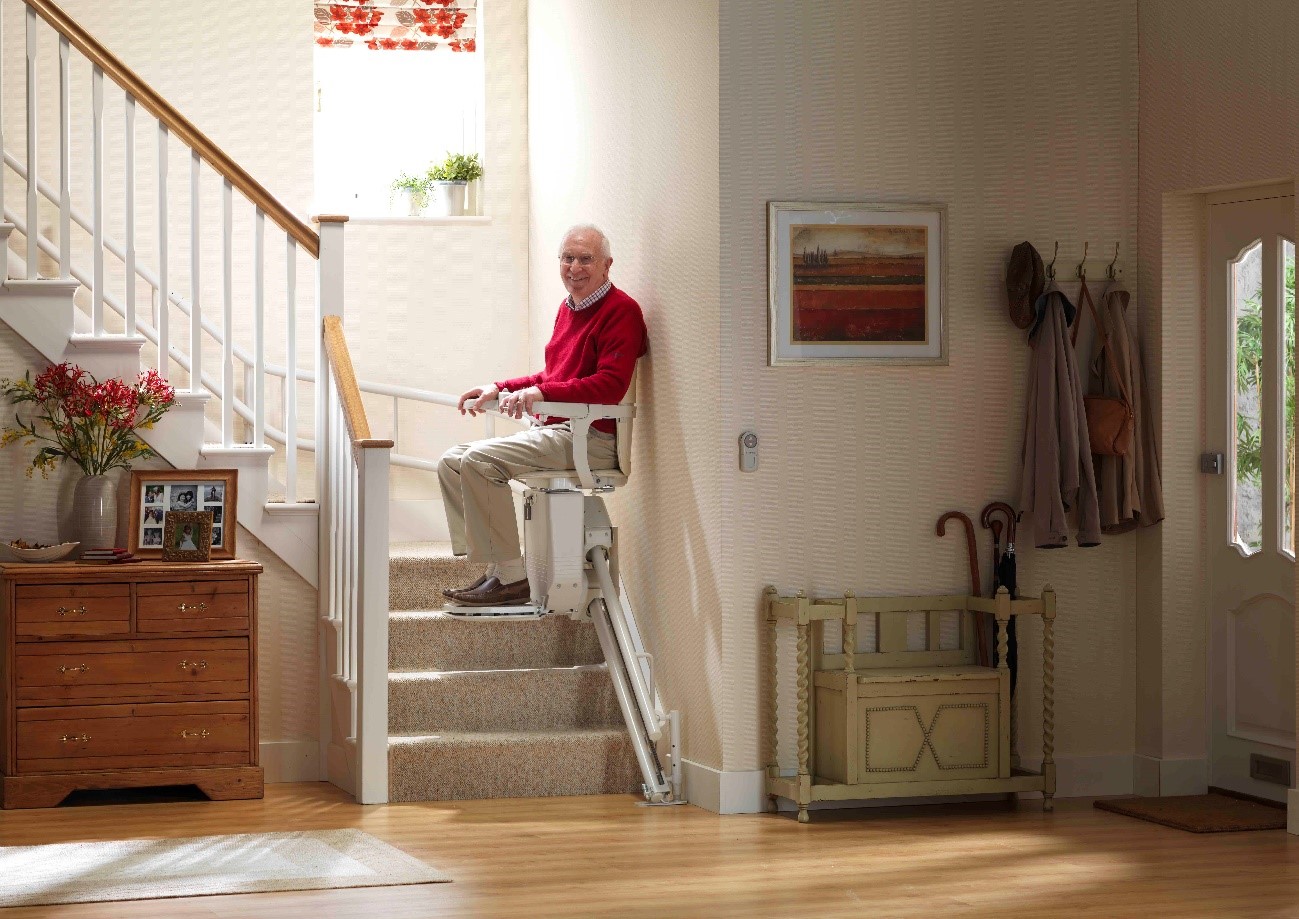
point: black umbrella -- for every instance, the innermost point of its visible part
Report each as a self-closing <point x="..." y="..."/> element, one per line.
<point x="1004" y="573"/>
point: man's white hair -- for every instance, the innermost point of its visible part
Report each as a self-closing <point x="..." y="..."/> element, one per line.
<point x="606" y="250"/>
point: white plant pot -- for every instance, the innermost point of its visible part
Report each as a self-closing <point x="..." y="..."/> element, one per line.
<point x="409" y="203"/>
<point x="447" y="199"/>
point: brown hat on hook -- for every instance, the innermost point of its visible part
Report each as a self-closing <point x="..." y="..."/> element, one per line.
<point x="1025" y="280"/>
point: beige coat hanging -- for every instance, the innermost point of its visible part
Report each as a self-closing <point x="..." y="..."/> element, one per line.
<point x="1130" y="487"/>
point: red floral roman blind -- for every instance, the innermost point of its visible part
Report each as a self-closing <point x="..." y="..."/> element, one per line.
<point x="398" y="25"/>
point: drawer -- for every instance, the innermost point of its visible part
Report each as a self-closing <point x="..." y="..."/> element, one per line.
<point x="928" y="737"/>
<point x="84" y="737"/>
<point x="193" y="606"/>
<point x="72" y="610"/>
<point x="116" y="670"/>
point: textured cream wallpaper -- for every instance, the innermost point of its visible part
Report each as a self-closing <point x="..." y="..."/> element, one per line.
<point x="623" y="132"/>
<point x="1026" y="131"/>
<point x="1219" y="107"/>
<point x="287" y="658"/>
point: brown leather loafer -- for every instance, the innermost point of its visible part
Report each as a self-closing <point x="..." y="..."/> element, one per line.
<point x="493" y="593"/>
<point x="452" y="592"/>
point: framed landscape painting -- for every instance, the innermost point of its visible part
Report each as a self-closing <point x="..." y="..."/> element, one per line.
<point x="856" y="283"/>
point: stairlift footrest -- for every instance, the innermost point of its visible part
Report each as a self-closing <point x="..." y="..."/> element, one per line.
<point x="505" y="613"/>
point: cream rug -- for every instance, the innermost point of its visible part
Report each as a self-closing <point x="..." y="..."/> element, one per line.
<point x="148" y="869"/>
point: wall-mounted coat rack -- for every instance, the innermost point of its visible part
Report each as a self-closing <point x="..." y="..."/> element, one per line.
<point x="1112" y="270"/>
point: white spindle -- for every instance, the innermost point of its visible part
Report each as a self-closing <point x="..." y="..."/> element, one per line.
<point x="33" y="226"/>
<point x="227" y="315"/>
<point x="97" y="199"/>
<point x="195" y="312"/>
<point x="291" y="372"/>
<point x="164" y="343"/>
<point x="259" y="331"/>
<point x="65" y="158"/>
<point x="396" y="408"/>
<point x="130" y="216"/>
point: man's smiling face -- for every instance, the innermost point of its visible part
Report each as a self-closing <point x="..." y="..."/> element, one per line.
<point x="583" y="266"/>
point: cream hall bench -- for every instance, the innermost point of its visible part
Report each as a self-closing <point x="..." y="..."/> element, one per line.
<point x="896" y="723"/>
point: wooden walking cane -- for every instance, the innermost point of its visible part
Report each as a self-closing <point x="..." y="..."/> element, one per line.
<point x="970" y="545"/>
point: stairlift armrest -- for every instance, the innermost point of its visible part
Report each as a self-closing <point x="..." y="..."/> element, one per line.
<point x="580" y="416"/>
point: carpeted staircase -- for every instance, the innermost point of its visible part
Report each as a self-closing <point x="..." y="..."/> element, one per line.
<point x="490" y="709"/>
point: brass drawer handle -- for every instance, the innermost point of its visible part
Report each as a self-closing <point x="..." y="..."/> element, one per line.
<point x="74" y="738"/>
<point x="70" y="611"/>
<point x="199" y="734"/>
<point x="196" y="665"/>
<point x="80" y="668"/>
<point x="198" y="606"/>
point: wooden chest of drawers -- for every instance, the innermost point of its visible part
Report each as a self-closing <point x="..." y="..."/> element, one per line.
<point x="123" y="676"/>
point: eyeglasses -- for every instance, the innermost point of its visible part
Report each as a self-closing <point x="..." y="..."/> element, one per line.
<point x="586" y="261"/>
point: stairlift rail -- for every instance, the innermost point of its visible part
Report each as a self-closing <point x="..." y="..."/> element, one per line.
<point x="641" y="691"/>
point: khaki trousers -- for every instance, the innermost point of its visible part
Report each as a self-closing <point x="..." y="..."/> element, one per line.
<point x="475" y="485"/>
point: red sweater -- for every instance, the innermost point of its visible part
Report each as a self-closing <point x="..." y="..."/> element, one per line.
<point x="591" y="355"/>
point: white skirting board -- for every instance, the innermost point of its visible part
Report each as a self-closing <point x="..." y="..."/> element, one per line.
<point x="744" y="792"/>
<point x="291" y="760"/>
<point x="1155" y="777"/>
<point x="724" y="792"/>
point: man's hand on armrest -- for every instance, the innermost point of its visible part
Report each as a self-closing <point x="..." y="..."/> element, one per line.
<point x="477" y="398"/>
<point x="515" y="404"/>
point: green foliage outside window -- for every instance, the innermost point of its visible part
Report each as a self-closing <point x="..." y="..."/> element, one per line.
<point x="1249" y="377"/>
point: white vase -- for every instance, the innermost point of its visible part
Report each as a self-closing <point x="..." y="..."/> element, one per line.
<point x="447" y="199"/>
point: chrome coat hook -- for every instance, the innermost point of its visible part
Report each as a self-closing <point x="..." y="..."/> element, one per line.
<point x="1110" y="272"/>
<point x="1050" y="269"/>
<point x="1082" y="266"/>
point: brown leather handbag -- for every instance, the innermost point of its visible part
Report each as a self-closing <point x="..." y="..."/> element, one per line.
<point x="1110" y="419"/>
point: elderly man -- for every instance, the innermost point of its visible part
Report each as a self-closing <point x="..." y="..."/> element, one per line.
<point x="599" y="334"/>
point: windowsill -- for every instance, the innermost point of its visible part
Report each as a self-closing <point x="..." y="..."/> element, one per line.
<point x="419" y="221"/>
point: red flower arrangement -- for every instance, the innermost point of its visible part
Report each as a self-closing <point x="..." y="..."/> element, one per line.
<point x="89" y="422"/>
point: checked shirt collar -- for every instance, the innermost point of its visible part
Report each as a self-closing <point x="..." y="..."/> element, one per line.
<point x="588" y="301"/>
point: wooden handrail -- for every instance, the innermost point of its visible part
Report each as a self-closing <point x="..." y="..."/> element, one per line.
<point x="340" y="361"/>
<point x="178" y="124"/>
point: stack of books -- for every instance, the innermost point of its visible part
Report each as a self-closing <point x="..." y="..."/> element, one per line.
<point x="107" y="557"/>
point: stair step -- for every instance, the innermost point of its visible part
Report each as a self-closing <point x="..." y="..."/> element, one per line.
<point x="511" y="764"/>
<point x="552" y="698"/>
<point x="438" y="641"/>
<point x="418" y="572"/>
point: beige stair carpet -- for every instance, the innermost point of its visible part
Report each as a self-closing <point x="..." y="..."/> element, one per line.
<point x="149" y="869"/>
<point x="480" y="708"/>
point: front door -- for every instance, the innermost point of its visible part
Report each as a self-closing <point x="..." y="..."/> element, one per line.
<point x="1250" y="352"/>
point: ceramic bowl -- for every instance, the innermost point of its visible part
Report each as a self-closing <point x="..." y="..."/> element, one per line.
<point x="47" y="554"/>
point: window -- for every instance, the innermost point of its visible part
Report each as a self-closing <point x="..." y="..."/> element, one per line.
<point x="392" y="96"/>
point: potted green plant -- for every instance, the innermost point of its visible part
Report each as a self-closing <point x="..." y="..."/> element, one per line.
<point x="411" y="192"/>
<point x="446" y="183"/>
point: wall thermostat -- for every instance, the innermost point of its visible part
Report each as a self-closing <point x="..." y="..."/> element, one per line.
<point x="748" y="451"/>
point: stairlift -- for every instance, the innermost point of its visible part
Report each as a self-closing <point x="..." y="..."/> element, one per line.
<point x="571" y="552"/>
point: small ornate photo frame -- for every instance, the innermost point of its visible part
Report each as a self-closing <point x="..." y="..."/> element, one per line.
<point x="856" y="283"/>
<point x="158" y="494"/>
<point x="187" y="536"/>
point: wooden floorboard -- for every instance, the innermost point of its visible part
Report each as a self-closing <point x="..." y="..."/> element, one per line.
<point x="604" y="856"/>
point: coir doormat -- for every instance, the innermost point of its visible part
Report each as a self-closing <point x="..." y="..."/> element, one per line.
<point x="1212" y="813"/>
